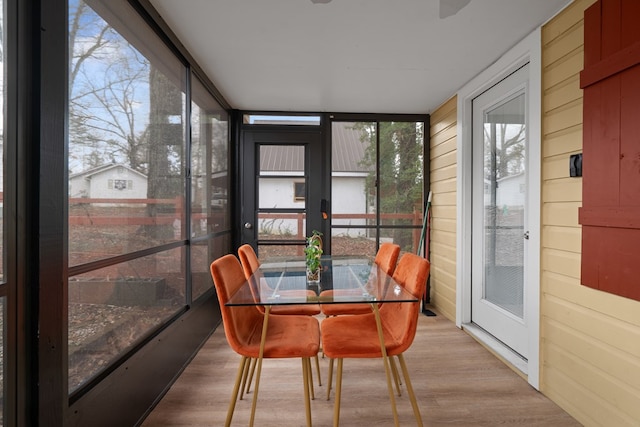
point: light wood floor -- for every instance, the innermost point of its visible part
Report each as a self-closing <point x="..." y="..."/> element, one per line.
<point x="457" y="383"/>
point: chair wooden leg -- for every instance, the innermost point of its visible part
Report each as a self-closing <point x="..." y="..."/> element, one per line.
<point x="310" y="373"/>
<point x="412" y="396"/>
<point x="336" y="405"/>
<point x="318" y="371"/>
<point x="308" y="384"/>
<point x="385" y="361"/>
<point x="247" y="375"/>
<point x="396" y="375"/>
<point x="399" y="377"/>
<point x="254" y="402"/>
<point x="330" y="379"/>
<point x="234" y="393"/>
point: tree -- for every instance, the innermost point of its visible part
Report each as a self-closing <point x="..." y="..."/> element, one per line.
<point x="400" y="178"/>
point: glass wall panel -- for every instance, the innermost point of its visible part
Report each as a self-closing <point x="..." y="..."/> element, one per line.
<point x="353" y="179"/>
<point x="353" y="241"/>
<point x="400" y="176"/>
<point x="126" y="135"/>
<point x="376" y="185"/>
<point x="202" y="254"/>
<point x="3" y="245"/>
<point x="113" y="308"/>
<point x="209" y="163"/>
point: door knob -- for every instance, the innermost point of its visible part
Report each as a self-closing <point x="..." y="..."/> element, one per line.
<point x="248" y="225"/>
<point x="526" y="235"/>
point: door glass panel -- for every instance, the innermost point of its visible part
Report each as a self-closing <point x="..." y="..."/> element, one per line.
<point x="281" y="193"/>
<point x="504" y="203"/>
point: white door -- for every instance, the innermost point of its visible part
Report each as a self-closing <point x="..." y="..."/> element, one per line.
<point x="499" y="214"/>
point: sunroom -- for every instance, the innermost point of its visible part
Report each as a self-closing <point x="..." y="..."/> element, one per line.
<point x="143" y="139"/>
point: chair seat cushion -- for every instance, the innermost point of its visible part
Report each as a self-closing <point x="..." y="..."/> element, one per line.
<point x="287" y="336"/>
<point x="357" y="336"/>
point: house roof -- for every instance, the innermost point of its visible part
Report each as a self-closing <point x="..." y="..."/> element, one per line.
<point x="88" y="173"/>
<point x="347" y="152"/>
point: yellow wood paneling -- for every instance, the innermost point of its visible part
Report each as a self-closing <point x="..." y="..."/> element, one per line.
<point x="562" y="262"/>
<point x="566" y="91"/>
<point x="444" y="186"/>
<point x="590" y="355"/>
<point x="562" y="190"/>
<point x="446" y="199"/>
<point x="597" y="329"/>
<point x="560" y="214"/>
<point x="563" y="117"/>
<point x="444" y="211"/>
<point x="562" y="238"/>
<point x="562" y="45"/>
<point x="442" y="145"/>
<point x="443" y="175"/>
<point x="444" y="237"/>
<point x="439" y="117"/>
<point x="570" y="289"/>
<point x="623" y="369"/>
<point x="443" y="250"/>
<point x="443" y="161"/>
<point x="445" y="264"/>
<point x="557" y="167"/>
<point x="584" y="402"/>
<point x="562" y="70"/>
<point x="565" y="141"/>
<point x="444" y="134"/>
<point x="564" y="21"/>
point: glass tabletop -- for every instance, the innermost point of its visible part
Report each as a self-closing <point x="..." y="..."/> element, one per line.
<point x="282" y="281"/>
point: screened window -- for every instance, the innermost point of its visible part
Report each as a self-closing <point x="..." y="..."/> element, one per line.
<point x="377" y="183"/>
<point x="209" y="183"/>
<point x="3" y="245"/>
<point x="126" y="184"/>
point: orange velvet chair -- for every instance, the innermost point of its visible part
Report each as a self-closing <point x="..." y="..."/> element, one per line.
<point x="385" y="259"/>
<point x="250" y="265"/>
<point x="286" y="336"/>
<point x="357" y="336"/>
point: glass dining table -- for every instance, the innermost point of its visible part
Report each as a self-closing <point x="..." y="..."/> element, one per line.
<point x="343" y="280"/>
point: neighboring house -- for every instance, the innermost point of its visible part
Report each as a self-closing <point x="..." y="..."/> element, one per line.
<point x="112" y="181"/>
<point x="282" y="183"/>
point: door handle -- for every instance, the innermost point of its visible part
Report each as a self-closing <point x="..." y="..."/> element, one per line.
<point x="248" y="225"/>
<point x="526" y="235"/>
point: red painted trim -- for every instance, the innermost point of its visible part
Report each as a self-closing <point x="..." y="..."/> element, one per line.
<point x="610" y="217"/>
<point x="613" y="64"/>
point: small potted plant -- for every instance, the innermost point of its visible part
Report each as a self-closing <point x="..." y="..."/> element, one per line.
<point x="313" y="252"/>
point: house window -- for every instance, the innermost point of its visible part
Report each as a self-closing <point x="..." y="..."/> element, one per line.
<point x="120" y="184"/>
<point x="298" y="191"/>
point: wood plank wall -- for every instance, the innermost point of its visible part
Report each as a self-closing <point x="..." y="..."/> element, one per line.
<point x="443" y="162"/>
<point x="590" y="340"/>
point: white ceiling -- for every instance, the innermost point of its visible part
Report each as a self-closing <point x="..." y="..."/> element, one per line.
<point x="367" y="56"/>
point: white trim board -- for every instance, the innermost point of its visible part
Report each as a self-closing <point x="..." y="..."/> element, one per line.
<point x="527" y="50"/>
